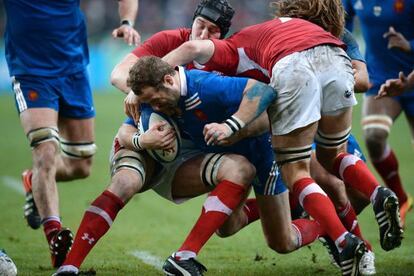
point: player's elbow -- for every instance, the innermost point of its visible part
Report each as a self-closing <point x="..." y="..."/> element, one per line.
<point x="361" y="85"/>
<point x="118" y="78"/>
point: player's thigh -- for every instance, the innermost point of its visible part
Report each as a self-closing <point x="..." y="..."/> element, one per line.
<point x="130" y="172"/>
<point x="388" y="106"/>
<point x="36" y="118"/>
<point x="77" y="130"/>
<point x="187" y="181"/>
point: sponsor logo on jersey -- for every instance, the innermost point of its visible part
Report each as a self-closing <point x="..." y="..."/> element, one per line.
<point x="348" y="94"/>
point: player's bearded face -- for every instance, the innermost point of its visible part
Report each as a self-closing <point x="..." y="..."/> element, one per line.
<point x="162" y="100"/>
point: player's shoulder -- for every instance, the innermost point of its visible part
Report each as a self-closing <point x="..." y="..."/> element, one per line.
<point x="181" y="34"/>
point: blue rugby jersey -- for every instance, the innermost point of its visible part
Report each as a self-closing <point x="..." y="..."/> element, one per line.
<point x="376" y="16"/>
<point x="45" y="38"/>
<point x="211" y="98"/>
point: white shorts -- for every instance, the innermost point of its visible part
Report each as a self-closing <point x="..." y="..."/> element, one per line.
<point x="309" y="83"/>
<point x="162" y="179"/>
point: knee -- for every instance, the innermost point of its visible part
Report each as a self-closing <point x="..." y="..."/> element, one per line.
<point x="281" y="246"/>
<point x="82" y="169"/>
<point x="125" y="185"/>
<point x="222" y="233"/>
<point x="238" y="169"/>
<point x="44" y="156"/>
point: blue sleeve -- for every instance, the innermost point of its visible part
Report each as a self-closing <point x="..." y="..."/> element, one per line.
<point x="350" y="13"/>
<point x="130" y="121"/>
<point x="221" y="90"/>
<point x="352" y="46"/>
<point x="412" y="45"/>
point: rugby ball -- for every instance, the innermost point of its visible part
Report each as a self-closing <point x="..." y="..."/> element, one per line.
<point x="7" y="266"/>
<point x="147" y="119"/>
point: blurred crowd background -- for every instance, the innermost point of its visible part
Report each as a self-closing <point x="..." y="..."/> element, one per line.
<point x="154" y="15"/>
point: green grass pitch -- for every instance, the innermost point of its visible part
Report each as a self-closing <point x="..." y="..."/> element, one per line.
<point x="150" y="226"/>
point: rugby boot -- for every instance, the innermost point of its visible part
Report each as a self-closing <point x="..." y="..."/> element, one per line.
<point x="351" y="255"/>
<point x="174" y="267"/>
<point x="60" y="245"/>
<point x="405" y="208"/>
<point x="367" y="264"/>
<point x="330" y="246"/>
<point x="65" y="273"/>
<point x="30" y="210"/>
<point x="386" y="209"/>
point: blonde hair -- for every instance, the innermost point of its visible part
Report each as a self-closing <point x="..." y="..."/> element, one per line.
<point x="328" y="14"/>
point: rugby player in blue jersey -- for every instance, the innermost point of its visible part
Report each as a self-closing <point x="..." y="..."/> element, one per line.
<point x="387" y="29"/>
<point x="47" y="55"/>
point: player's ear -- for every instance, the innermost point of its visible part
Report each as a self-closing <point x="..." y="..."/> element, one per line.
<point x="168" y="79"/>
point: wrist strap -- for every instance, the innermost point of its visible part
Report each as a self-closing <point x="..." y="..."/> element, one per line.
<point x="127" y="22"/>
<point x="234" y="123"/>
<point x="135" y="141"/>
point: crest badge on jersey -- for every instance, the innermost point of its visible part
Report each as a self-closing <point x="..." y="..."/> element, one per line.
<point x="32" y="95"/>
<point x="200" y="115"/>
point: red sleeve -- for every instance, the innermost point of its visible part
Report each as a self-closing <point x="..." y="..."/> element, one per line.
<point x="162" y="43"/>
<point x="225" y="58"/>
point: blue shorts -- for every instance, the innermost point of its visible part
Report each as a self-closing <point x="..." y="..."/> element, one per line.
<point x="406" y="100"/>
<point x="70" y="95"/>
<point x="258" y="150"/>
<point x="352" y="148"/>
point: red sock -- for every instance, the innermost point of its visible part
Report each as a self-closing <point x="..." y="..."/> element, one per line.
<point x="308" y="231"/>
<point x="349" y="219"/>
<point x="216" y="209"/>
<point x="50" y="226"/>
<point x="355" y="173"/>
<point x="95" y="223"/>
<point x="251" y="210"/>
<point x="388" y="169"/>
<point x="319" y="206"/>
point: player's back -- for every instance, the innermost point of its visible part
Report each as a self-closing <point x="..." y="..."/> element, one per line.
<point x="268" y="42"/>
<point x="46" y="38"/>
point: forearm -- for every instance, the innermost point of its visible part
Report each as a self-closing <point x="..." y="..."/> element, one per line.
<point x="200" y="51"/>
<point x="125" y="136"/>
<point x="120" y="73"/>
<point x="256" y="127"/>
<point x="128" y="10"/>
<point x="256" y="99"/>
<point x="361" y="76"/>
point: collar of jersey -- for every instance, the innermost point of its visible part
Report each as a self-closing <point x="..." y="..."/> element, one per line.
<point x="183" y="81"/>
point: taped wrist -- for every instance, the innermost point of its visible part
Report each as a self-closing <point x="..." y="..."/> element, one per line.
<point x="234" y="124"/>
<point x="135" y="141"/>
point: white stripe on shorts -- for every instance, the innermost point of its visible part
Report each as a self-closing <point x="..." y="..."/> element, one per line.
<point x="21" y="102"/>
